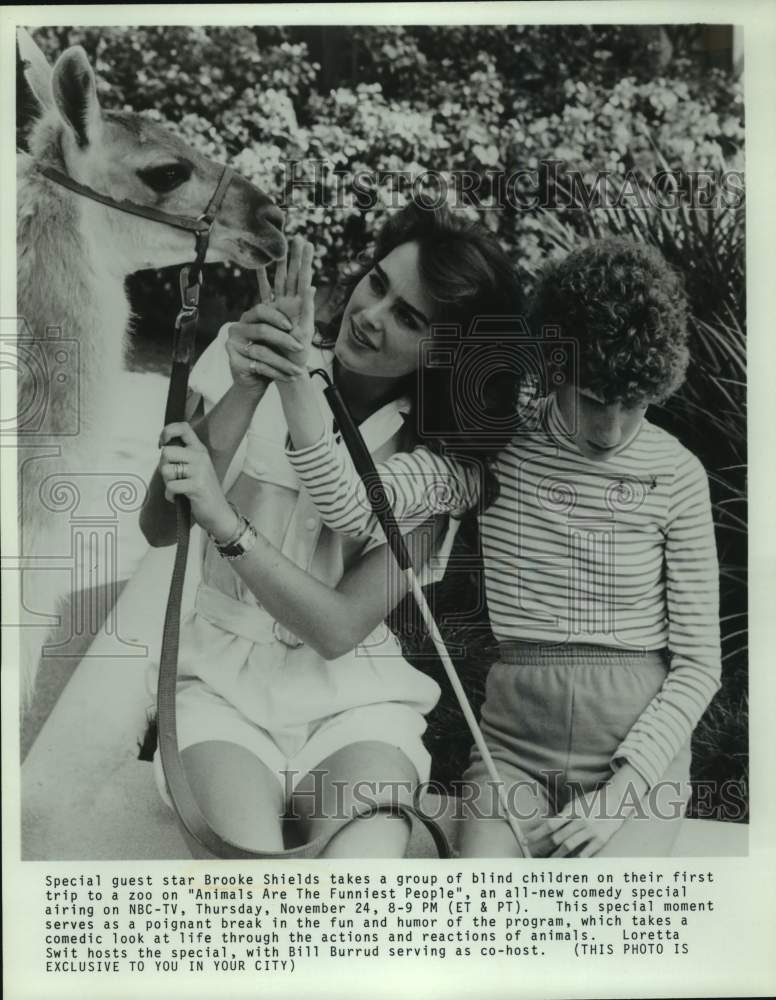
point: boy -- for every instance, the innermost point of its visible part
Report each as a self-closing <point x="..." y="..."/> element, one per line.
<point x="601" y="577"/>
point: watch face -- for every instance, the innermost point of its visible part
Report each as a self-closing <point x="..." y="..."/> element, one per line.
<point x="244" y="543"/>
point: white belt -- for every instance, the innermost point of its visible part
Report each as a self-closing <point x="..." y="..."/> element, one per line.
<point x="250" y="622"/>
<point x="254" y="623"/>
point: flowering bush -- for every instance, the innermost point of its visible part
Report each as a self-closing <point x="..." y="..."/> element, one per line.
<point x="443" y="109"/>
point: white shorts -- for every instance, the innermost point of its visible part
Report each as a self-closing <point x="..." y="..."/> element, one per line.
<point x="291" y="753"/>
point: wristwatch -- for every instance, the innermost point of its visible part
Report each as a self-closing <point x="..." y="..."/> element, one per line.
<point x="242" y="541"/>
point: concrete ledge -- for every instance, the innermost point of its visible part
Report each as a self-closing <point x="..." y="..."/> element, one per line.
<point x="125" y="820"/>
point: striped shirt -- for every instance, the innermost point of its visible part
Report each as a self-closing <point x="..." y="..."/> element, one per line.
<point x="418" y="483"/>
<point x="618" y="553"/>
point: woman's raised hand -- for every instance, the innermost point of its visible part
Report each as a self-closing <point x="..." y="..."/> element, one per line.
<point x="272" y="340"/>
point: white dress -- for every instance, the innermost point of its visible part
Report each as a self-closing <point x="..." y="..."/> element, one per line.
<point x="246" y="679"/>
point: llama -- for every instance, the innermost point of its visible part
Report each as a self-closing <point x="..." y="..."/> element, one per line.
<point x="74" y="256"/>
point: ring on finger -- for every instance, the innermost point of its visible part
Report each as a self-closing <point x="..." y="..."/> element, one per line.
<point x="180" y="470"/>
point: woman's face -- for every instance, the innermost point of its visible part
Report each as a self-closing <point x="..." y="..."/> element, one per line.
<point x="387" y="318"/>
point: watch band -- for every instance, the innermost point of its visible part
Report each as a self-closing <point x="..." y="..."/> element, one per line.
<point x="246" y="541"/>
<point x="242" y="539"/>
<point x="241" y="522"/>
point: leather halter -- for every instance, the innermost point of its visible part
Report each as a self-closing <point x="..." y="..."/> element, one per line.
<point x="201" y="224"/>
<point x="200" y="227"/>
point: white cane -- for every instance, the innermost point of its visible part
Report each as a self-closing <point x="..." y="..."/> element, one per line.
<point x="378" y="500"/>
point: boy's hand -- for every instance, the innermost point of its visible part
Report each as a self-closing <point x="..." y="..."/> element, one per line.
<point x="590" y="819"/>
<point x="583" y="826"/>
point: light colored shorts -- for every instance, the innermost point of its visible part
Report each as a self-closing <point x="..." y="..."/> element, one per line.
<point x="553" y="717"/>
<point x="294" y="751"/>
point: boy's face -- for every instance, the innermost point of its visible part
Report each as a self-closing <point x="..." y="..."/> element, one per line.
<point x="602" y="429"/>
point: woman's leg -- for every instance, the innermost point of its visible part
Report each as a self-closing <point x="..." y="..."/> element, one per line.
<point x="240" y="796"/>
<point x="369" y="770"/>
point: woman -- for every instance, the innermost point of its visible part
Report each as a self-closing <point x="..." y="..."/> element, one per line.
<point x="292" y="693"/>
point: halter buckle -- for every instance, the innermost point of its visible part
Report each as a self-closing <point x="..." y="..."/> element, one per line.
<point x="189" y="292"/>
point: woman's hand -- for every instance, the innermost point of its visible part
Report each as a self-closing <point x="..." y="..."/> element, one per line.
<point x="272" y="340"/>
<point x="187" y="470"/>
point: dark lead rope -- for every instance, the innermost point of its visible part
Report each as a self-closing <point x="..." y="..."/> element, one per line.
<point x="380" y="504"/>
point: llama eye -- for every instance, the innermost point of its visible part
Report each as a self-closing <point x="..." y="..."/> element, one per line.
<point x="165" y="178"/>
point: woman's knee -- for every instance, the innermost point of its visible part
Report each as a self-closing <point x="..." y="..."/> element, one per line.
<point x="353" y="779"/>
<point x="239" y="795"/>
<point x="353" y="794"/>
<point x="382" y="834"/>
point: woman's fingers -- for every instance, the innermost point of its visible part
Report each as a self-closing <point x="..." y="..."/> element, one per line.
<point x="307" y="317"/>
<point x="169" y="471"/>
<point x="262" y="313"/>
<point x="306" y="267"/>
<point x="266" y="355"/>
<point x="180" y="430"/>
<point x="177" y="453"/>
<point x="292" y="276"/>
<point x="244" y="366"/>
<point x="175" y="487"/>
<point x="265" y="289"/>
<point x="261" y="333"/>
<point x="266" y="370"/>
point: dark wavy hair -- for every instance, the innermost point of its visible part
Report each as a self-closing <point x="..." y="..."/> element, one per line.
<point x="628" y="312"/>
<point x="463" y="404"/>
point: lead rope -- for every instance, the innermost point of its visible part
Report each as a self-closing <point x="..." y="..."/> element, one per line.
<point x="378" y="500"/>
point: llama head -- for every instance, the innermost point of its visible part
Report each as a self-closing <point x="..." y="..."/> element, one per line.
<point x="128" y="157"/>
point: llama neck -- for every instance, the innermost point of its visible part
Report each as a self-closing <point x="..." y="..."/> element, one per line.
<point x="71" y="295"/>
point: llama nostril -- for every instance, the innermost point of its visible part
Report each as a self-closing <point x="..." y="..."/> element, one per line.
<point x="272" y="214"/>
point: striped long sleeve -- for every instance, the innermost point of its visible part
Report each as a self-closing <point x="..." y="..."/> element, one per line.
<point x="419" y="484"/>
<point x="692" y="607"/>
<point x="618" y="553"/>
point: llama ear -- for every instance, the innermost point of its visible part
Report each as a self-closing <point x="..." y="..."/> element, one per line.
<point x="75" y="94"/>
<point x="37" y="71"/>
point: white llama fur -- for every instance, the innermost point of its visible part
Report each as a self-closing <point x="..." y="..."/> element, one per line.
<point x="74" y="256"/>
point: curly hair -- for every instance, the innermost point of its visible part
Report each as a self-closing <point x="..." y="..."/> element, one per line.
<point x="627" y="310"/>
<point x="466" y="408"/>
